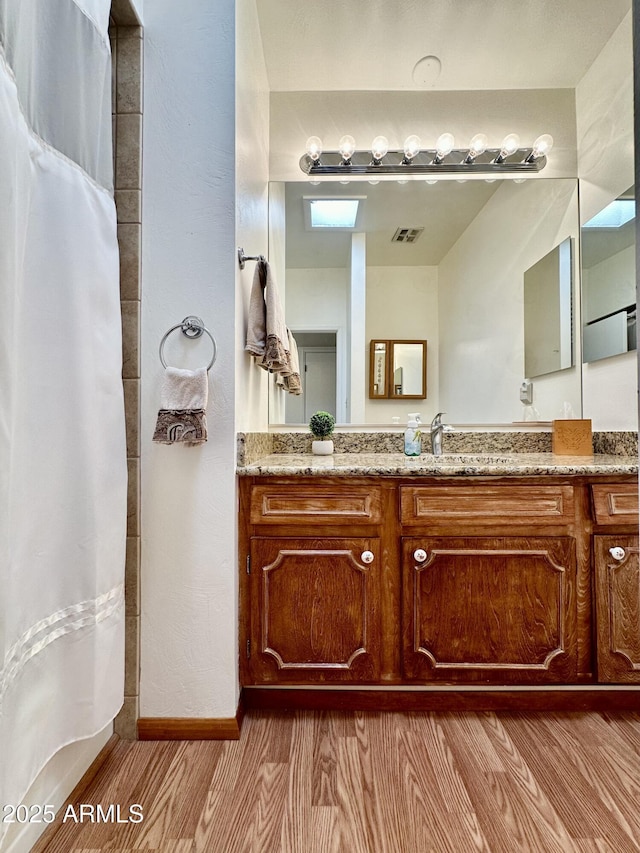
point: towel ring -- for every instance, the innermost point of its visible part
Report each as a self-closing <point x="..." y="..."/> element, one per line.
<point x="192" y="327"/>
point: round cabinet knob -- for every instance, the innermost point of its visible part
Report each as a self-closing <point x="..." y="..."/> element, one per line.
<point x="618" y="553"/>
<point x="419" y="555"/>
<point x="366" y="557"/>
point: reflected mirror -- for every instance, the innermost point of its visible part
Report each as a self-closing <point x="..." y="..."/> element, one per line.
<point x="409" y="366"/>
<point x="608" y="280"/>
<point x="548" y="315"/>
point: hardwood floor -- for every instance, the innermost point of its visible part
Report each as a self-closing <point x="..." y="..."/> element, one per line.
<point x="365" y="782"/>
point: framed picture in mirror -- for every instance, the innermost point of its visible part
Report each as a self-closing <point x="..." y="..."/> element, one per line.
<point x="378" y="370"/>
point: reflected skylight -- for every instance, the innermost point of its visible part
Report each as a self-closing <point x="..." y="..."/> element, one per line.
<point x="334" y="212"/>
<point x="614" y="215"/>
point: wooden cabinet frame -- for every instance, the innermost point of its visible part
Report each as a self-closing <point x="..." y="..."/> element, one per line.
<point x="544" y="528"/>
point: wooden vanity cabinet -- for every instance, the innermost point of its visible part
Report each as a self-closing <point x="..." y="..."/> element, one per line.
<point x="313" y="584"/>
<point x="493" y="610"/>
<point x="487" y="608"/>
<point x="315" y="614"/>
<point x="616" y="566"/>
<point x="402" y="581"/>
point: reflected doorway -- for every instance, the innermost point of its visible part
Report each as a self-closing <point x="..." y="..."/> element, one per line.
<point x="317" y="354"/>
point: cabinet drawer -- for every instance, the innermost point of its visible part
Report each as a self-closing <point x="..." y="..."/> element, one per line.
<point x="487" y="505"/>
<point x="315" y="505"/>
<point x="615" y="504"/>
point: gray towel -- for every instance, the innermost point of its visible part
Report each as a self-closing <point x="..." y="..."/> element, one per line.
<point x="267" y="336"/>
<point x="183" y="402"/>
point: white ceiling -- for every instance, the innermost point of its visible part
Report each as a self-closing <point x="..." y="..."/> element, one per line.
<point x="331" y="45"/>
<point x="387" y="206"/>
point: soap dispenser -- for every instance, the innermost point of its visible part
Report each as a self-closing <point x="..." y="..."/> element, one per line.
<point x="412" y="436"/>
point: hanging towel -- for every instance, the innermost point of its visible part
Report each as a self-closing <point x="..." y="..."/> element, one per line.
<point x="267" y="336"/>
<point x="292" y="375"/>
<point x="256" y="342"/>
<point x="183" y="401"/>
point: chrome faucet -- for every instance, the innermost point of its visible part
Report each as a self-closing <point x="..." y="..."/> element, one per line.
<point x="437" y="428"/>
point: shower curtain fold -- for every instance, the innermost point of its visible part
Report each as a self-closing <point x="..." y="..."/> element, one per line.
<point x="62" y="439"/>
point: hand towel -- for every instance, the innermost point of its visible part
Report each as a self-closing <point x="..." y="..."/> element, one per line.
<point x="267" y="337"/>
<point x="256" y="342"/>
<point x="292" y="375"/>
<point x="183" y="401"/>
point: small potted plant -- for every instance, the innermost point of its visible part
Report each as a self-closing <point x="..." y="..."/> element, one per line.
<point x="321" y="425"/>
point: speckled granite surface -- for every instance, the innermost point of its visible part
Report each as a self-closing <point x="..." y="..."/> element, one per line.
<point x="253" y="445"/>
<point x="452" y="464"/>
<point x="392" y="442"/>
<point x="615" y="443"/>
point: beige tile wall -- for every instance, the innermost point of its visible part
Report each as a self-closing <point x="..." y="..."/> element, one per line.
<point x="127" y="48"/>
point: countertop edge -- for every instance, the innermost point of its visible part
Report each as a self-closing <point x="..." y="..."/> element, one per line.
<point x="394" y="465"/>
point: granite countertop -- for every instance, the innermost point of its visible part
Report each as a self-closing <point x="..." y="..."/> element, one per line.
<point x="450" y="464"/>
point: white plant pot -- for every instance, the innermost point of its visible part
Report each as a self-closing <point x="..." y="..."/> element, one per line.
<point x="322" y="447"/>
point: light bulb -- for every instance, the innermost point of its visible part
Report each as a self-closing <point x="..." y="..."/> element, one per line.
<point x="510" y="145"/>
<point x="373" y="183"/>
<point x="404" y="181"/>
<point x="411" y="147"/>
<point x="379" y="148"/>
<point x="477" y="146"/>
<point x="444" y="146"/>
<point x="346" y="147"/>
<point x="542" y="146"/>
<point x="314" y="147"/>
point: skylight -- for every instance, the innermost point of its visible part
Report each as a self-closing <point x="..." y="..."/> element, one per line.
<point x="614" y="215"/>
<point x="333" y="212"/>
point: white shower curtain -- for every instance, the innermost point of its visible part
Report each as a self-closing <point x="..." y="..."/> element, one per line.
<point x="62" y="443"/>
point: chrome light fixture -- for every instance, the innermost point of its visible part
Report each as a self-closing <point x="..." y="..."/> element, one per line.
<point x="413" y="161"/>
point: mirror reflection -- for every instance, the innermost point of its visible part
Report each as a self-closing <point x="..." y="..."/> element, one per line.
<point x="548" y="312"/>
<point x="608" y="280"/>
<point x="441" y="262"/>
<point x="378" y="384"/>
<point x="409" y="360"/>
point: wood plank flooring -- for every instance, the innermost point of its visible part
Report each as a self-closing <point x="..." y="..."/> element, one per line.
<point x="365" y="782"/>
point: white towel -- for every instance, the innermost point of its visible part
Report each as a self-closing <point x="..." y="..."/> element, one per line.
<point x="183" y="401"/>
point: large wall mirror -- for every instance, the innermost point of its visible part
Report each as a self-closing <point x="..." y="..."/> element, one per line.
<point x="460" y="284"/>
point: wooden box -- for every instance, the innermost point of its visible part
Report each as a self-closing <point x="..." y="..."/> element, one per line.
<point x="572" y="438"/>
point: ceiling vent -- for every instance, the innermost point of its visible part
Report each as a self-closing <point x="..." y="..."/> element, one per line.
<point x="406" y="235"/>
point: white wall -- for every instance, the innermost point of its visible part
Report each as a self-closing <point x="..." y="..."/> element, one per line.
<point x="189" y="566"/>
<point x="402" y="303"/>
<point x="604" y="120"/>
<point x="481" y="316"/>
<point x="609" y="285"/>
<point x="317" y="293"/>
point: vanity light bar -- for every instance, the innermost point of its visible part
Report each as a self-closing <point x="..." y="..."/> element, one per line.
<point x="412" y="161"/>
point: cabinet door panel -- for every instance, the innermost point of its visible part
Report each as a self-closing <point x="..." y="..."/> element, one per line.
<point x="490" y="610"/>
<point x="316" y="611"/>
<point x="617" y="583"/>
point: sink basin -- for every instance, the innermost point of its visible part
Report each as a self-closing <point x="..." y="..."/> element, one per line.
<point x="470" y="459"/>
